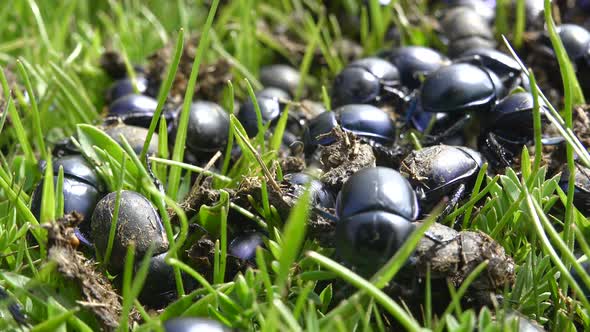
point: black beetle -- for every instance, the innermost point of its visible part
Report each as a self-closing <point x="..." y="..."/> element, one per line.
<point x="366" y="121"/>
<point x="208" y="129"/>
<point x="485" y="9"/>
<point x="159" y="288"/>
<point x="270" y="104"/>
<point x="123" y="87"/>
<point x="575" y="39"/>
<point x="82" y="189"/>
<point x="414" y="61"/>
<point x="138" y="222"/>
<point x="479" y="90"/>
<point x="135" y="110"/>
<point x="375" y="209"/>
<point x="320" y="195"/>
<point x="367" y="81"/>
<point x="283" y="77"/>
<point x="508" y="127"/>
<point x="466" y="29"/>
<point x="439" y="171"/>
<point x="501" y="64"/>
<point x="134" y="135"/>
<point x="244" y="245"/>
<point x="193" y="324"/>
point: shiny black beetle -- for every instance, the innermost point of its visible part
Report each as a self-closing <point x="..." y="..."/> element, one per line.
<point x="507" y="128"/>
<point x="207" y="131"/>
<point x="366" y="121"/>
<point x="581" y="187"/>
<point x="192" y="324"/>
<point x="283" y="77"/>
<point x="466" y="29"/>
<point x="320" y="195"/>
<point x="375" y="210"/>
<point x="124" y="87"/>
<point x="138" y="222"/>
<point x="439" y="171"/>
<point x="480" y="89"/>
<point x="136" y="110"/>
<point x="413" y="62"/>
<point x="367" y="81"/>
<point x="270" y="101"/>
<point x="82" y="189"/>
<point x="134" y="135"/>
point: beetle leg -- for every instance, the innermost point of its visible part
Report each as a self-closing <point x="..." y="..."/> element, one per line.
<point x="455" y="128"/>
<point x="498" y="150"/>
<point x="453" y="201"/>
<point x="153" y="177"/>
<point x="14" y="308"/>
<point x="325" y="214"/>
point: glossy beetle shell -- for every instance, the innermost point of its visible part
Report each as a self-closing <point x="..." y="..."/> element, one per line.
<point x="283" y="77"/>
<point x="208" y="128"/>
<point x="244" y="246"/>
<point x="412" y="61"/>
<point x="320" y="195"/>
<point x="512" y="117"/>
<point x="123" y="87"/>
<point x="193" y="324"/>
<point x="581" y="188"/>
<point x="368" y="239"/>
<point x="78" y="196"/>
<point x="437" y="170"/>
<point x="270" y="109"/>
<point x="575" y="40"/>
<point x="363" y="120"/>
<point x="458" y="88"/>
<point x="76" y="166"/>
<point x="361" y="81"/>
<point x="134" y="135"/>
<point x="138" y="222"/>
<point x="466" y="29"/>
<point x="135" y="110"/>
<point x="377" y="189"/>
<point x="159" y="288"/>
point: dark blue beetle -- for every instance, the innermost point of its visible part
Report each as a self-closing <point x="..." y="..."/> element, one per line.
<point x="501" y="64"/>
<point x="508" y="127"/>
<point x="244" y="245"/>
<point x="270" y="102"/>
<point x="137" y="222"/>
<point x="123" y="87"/>
<point x="320" y="195"/>
<point x="375" y="209"/>
<point x="283" y="77"/>
<point x="465" y="29"/>
<point x="366" y="81"/>
<point x="82" y="189"/>
<point x="193" y="324"/>
<point x="413" y="62"/>
<point x="439" y="171"/>
<point x="366" y="121"/>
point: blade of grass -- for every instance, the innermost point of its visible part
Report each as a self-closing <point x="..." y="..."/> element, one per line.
<point x="179" y="143"/>
<point x="114" y="222"/>
<point x="48" y="199"/>
<point x="34" y="110"/>
<point x="164" y="90"/>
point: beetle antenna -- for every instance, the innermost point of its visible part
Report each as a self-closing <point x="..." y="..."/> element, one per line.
<point x="325" y="214"/>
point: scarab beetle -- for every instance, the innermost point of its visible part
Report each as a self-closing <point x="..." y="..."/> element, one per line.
<point x="244" y="245"/>
<point x="82" y="189"/>
<point x="138" y="223"/>
<point x="485" y="9"/>
<point x="283" y="77"/>
<point x="508" y="127"/>
<point x="320" y="195"/>
<point x="208" y="129"/>
<point x="501" y="64"/>
<point x="439" y="171"/>
<point x="466" y="29"/>
<point x="367" y="81"/>
<point x="575" y="40"/>
<point x="159" y="288"/>
<point x="479" y="90"/>
<point x="135" y="110"/>
<point x="193" y="324"/>
<point x="123" y="87"/>
<point x="375" y="210"/>
<point x="134" y="135"/>
<point x="270" y="104"/>
<point x="366" y="121"/>
<point x="414" y="61"/>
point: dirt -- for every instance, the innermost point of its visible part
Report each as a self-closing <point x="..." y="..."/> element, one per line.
<point x="99" y="296"/>
<point x="212" y="77"/>
<point x="343" y="158"/>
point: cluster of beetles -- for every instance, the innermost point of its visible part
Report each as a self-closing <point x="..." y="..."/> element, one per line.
<point x="431" y="120"/>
